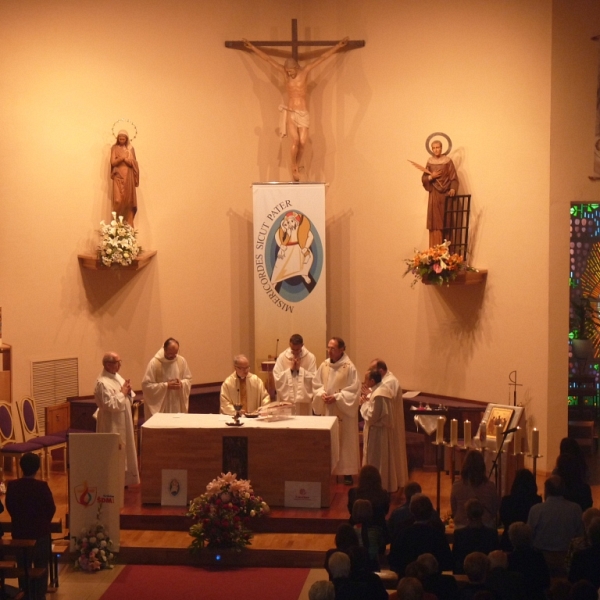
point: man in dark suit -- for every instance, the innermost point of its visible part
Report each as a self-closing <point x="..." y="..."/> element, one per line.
<point x="31" y="507"/>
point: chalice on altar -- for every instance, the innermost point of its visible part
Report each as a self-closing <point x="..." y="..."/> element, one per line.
<point x="236" y="416"/>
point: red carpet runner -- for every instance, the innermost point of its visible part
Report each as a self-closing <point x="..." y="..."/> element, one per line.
<point x="147" y="582"/>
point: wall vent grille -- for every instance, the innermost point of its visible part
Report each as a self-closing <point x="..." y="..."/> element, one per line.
<point x="53" y="381"/>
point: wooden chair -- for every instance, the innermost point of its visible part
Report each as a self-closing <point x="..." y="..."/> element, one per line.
<point x="388" y="578"/>
<point x="59" y="547"/>
<point x="9" y="448"/>
<point x="31" y="432"/>
<point x="30" y="577"/>
<point x="7" y="570"/>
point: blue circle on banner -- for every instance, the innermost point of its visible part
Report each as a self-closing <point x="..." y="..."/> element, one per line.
<point x="294" y="289"/>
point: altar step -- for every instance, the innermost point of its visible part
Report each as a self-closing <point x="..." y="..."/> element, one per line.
<point x="275" y="523"/>
<point x="267" y="550"/>
<point x="227" y="559"/>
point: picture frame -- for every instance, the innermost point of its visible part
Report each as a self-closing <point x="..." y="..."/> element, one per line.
<point x="499" y="414"/>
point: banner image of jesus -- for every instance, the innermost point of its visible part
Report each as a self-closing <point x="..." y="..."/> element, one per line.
<point x="294" y="257"/>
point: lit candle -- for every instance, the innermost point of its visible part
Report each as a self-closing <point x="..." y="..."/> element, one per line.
<point x="498" y="437"/>
<point x="517" y="441"/>
<point x="439" y="439"/>
<point x="467" y="428"/>
<point x="535" y="442"/>
<point x="454" y="432"/>
<point x="483" y="434"/>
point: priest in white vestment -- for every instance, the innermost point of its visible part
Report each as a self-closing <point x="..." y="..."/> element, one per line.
<point x="388" y="379"/>
<point x="294" y="371"/>
<point x="378" y="434"/>
<point x="167" y="381"/>
<point x="336" y="390"/>
<point x="114" y="398"/>
<point x="243" y="388"/>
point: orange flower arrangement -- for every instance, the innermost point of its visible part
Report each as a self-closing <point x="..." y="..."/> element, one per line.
<point x="435" y="265"/>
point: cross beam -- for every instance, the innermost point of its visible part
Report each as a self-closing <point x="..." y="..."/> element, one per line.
<point x="295" y="43"/>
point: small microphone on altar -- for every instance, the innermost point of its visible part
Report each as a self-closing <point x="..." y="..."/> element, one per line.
<point x="510" y="431"/>
<point x="277" y="348"/>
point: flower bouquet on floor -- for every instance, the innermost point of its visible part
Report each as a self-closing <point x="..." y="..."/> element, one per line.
<point x="435" y="265"/>
<point x="221" y="515"/>
<point x="118" y="245"/>
<point x="94" y="547"/>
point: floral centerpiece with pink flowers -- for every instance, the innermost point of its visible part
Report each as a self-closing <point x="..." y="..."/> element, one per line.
<point x="435" y="265"/>
<point x="221" y="515"/>
<point x="94" y="546"/>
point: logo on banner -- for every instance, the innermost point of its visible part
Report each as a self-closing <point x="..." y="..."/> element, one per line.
<point x="291" y="263"/>
<point x="85" y="495"/>
<point x="174" y="487"/>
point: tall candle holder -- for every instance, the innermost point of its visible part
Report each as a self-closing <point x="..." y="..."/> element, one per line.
<point x="535" y="457"/>
<point x="439" y="454"/>
<point x="453" y="448"/>
<point x="452" y="444"/>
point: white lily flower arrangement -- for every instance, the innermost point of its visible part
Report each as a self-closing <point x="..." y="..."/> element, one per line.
<point x="118" y="245"/>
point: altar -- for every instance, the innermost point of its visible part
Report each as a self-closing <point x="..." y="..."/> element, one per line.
<point x="294" y="448"/>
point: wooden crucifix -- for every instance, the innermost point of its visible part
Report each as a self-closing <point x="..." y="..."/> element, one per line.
<point x="294" y="117"/>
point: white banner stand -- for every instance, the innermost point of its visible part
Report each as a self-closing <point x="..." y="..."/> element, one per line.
<point x="96" y="481"/>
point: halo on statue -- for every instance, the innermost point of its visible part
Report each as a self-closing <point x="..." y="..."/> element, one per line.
<point x="436" y="134"/>
<point x="127" y="125"/>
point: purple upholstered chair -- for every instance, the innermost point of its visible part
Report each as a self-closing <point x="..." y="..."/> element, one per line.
<point x="8" y="447"/>
<point x="31" y="432"/>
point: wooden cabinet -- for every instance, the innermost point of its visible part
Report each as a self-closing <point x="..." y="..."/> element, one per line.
<point x="5" y="373"/>
<point x="82" y="413"/>
<point x="58" y="418"/>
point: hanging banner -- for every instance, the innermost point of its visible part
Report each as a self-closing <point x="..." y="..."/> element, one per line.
<point x="289" y="267"/>
<point x="96" y="483"/>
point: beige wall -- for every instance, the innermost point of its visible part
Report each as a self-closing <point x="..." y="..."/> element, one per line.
<point x="512" y="82"/>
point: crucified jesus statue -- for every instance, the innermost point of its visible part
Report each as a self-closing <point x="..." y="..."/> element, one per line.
<point x="295" y="119"/>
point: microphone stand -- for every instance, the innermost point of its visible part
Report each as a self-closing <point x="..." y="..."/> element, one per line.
<point x="497" y="463"/>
